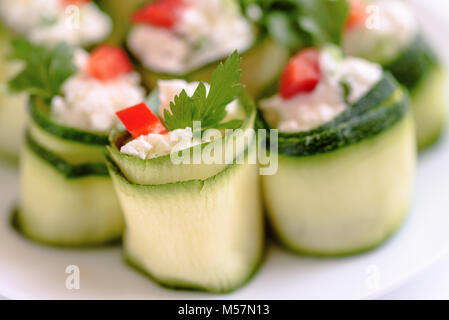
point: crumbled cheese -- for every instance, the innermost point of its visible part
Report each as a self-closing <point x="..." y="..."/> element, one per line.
<point x="206" y="31"/>
<point x="389" y="29"/>
<point x="89" y="103"/>
<point x="306" y="111"/>
<point x="50" y="21"/>
<point x="155" y="145"/>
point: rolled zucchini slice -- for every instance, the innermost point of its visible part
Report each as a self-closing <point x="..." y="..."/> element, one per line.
<point x="345" y="187"/>
<point x="12" y="106"/>
<point x="426" y="79"/>
<point x="421" y="72"/>
<point x="430" y="107"/>
<point x="66" y="194"/>
<point x="261" y="66"/>
<point x="192" y="226"/>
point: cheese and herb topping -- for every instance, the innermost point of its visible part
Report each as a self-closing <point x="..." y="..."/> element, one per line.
<point x="104" y="83"/>
<point x="51" y="21"/>
<point x="177" y="36"/>
<point x="181" y="106"/>
<point x="315" y="87"/>
<point x="379" y="30"/>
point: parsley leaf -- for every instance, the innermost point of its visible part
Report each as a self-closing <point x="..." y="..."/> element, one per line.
<point x="301" y="23"/>
<point x="209" y="108"/>
<point x="46" y="68"/>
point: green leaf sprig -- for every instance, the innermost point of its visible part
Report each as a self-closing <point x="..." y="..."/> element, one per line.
<point x="209" y="108"/>
<point x="302" y="23"/>
<point x="45" y="67"/>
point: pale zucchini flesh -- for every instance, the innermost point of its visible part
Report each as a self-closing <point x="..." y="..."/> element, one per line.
<point x="198" y="234"/>
<point x="13" y="120"/>
<point x="12" y="106"/>
<point x="63" y="211"/>
<point x="429" y="105"/>
<point x="345" y="201"/>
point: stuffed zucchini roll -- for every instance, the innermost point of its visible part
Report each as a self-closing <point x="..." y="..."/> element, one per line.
<point x="194" y="223"/>
<point x="185" y="39"/>
<point x="67" y="197"/>
<point x="12" y="106"/>
<point x="44" y="22"/>
<point x="387" y="32"/>
<point x="346" y="154"/>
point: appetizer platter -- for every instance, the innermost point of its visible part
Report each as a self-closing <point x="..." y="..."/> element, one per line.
<point x="226" y="149"/>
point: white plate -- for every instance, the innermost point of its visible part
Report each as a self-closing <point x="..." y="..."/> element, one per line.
<point x="31" y="271"/>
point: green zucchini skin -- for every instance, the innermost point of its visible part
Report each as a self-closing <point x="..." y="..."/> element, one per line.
<point x="383" y="106"/>
<point x="362" y="164"/>
<point x="64" y="167"/>
<point x="414" y="63"/>
<point x="420" y="71"/>
<point x="66" y="194"/>
<point x="425" y="77"/>
<point x="204" y="231"/>
<point x="430" y="107"/>
<point x="39" y="113"/>
<point x="61" y="209"/>
<point x="216" y="202"/>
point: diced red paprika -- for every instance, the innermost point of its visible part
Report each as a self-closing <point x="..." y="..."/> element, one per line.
<point x="161" y="13"/>
<point x="357" y="14"/>
<point x="302" y="73"/>
<point x="108" y="62"/>
<point x="140" y="120"/>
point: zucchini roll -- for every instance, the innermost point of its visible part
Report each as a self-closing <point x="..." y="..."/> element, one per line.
<point x="67" y="197"/>
<point x="185" y="39"/>
<point x="195" y="224"/>
<point x="391" y="36"/>
<point x="12" y="106"/>
<point x="346" y="154"/>
<point x="43" y="22"/>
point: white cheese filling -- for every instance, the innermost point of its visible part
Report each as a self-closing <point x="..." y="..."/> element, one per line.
<point x="306" y="111"/>
<point x="50" y="21"/>
<point x="390" y="28"/>
<point x="207" y="30"/>
<point x="155" y="145"/>
<point x="89" y="103"/>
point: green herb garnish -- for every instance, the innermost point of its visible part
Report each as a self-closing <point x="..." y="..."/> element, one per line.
<point x="45" y="68"/>
<point x="302" y="23"/>
<point x="209" y="108"/>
